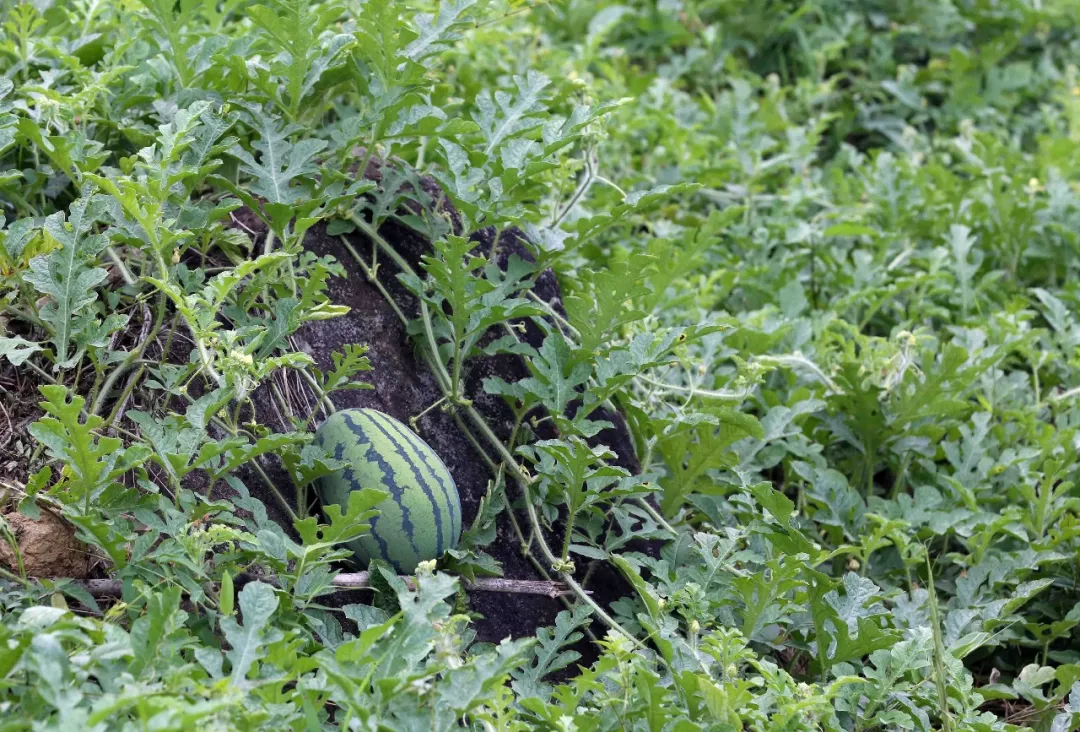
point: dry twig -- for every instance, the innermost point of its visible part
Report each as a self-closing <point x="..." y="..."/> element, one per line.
<point x="359" y="580"/>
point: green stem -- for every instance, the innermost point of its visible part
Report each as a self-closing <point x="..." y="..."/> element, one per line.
<point x="133" y="357"/>
<point x="553" y="313"/>
<point x="526" y="550"/>
<point x="725" y="394"/>
<point x="207" y="362"/>
<point x="440" y="368"/>
<point x="492" y="466"/>
<point x="183" y="72"/>
<point x="266" y="479"/>
<point x="371" y="273"/>
<point x="656" y="516"/>
<point x="301" y="491"/>
<point x="28" y="316"/>
<point x="414" y="420"/>
<point x="455" y="386"/>
<point x="110" y="381"/>
<point x="124" y="395"/>
<point x="583" y="187"/>
<point x="280" y="399"/>
<point x="566" y="577"/>
<point x="124" y="272"/>
<point x="939" y="652"/>
<point x="169" y="338"/>
<point x="39" y="371"/>
<point x="899" y="481"/>
<point x="1037" y="389"/>
<point x="368" y="151"/>
<point x="499" y="447"/>
<point x="233" y="431"/>
<point x="566" y="537"/>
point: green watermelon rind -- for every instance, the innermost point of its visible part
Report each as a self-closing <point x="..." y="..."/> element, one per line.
<point x="422" y="518"/>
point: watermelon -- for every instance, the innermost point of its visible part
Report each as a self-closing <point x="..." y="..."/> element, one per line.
<point x="422" y="517"/>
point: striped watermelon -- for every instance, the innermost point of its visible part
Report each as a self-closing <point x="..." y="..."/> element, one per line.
<point x="422" y="517"/>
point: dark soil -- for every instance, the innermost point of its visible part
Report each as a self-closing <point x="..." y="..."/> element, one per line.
<point x="404" y="387"/>
<point x="19" y="408"/>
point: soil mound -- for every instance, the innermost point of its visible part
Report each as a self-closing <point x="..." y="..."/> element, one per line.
<point x="404" y="387"/>
<point x="47" y="547"/>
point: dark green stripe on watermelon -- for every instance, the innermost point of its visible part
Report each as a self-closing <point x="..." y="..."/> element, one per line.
<point x="350" y="479"/>
<point x="424" y="481"/>
<point x="422" y="518"/>
<point x="446" y="498"/>
<point x="391" y="479"/>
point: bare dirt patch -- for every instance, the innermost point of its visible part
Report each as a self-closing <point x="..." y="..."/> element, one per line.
<point x="47" y="547"/>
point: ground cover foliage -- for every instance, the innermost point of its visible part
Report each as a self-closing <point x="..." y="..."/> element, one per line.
<point x="822" y="256"/>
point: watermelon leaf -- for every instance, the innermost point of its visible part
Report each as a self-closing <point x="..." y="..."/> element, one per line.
<point x="347" y="363"/>
<point x="467" y="559"/>
<point x="380" y="578"/>
<point x="17" y="349"/>
<point x="68" y="275"/>
<point x="309" y="464"/>
<point x="554" y="380"/>
<point x="599" y="307"/>
<point x="91" y="461"/>
<point x="848" y="626"/>
<point x="552" y="653"/>
<point x="295" y="29"/>
<point x="574" y="469"/>
<point x="482" y="532"/>
<point x="258" y="603"/>
<point x="477" y="293"/>
<point x="345" y="525"/>
<point x="283" y="169"/>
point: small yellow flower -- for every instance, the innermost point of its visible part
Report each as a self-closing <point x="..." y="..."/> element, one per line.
<point x="241" y="357"/>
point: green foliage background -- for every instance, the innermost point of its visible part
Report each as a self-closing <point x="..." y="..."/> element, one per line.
<point x="823" y="255"/>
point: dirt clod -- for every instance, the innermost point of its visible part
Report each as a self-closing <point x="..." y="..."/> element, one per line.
<point x="47" y="545"/>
